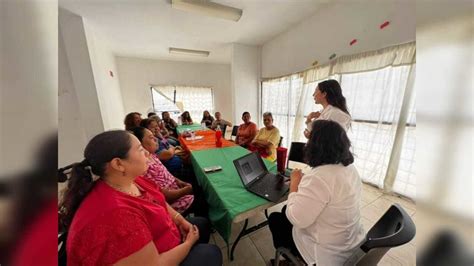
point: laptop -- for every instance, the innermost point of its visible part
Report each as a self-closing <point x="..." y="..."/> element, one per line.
<point x="258" y="180"/>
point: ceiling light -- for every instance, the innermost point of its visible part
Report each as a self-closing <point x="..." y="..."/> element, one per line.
<point x="188" y="52"/>
<point x="208" y="8"/>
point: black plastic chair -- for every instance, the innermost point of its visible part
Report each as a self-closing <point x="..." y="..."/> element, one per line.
<point x="394" y="229"/>
<point x="234" y="132"/>
<point x="296" y="153"/>
<point x="62" y="257"/>
<point x="223" y="129"/>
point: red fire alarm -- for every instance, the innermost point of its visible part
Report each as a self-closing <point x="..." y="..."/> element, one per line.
<point x="111" y="73"/>
<point x="352" y="42"/>
<point x="385" y="24"/>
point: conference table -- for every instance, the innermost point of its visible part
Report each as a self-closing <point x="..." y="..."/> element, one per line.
<point x="229" y="202"/>
<point x="194" y="127"/>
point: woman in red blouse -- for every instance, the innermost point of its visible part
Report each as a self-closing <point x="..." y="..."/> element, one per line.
<point x="123" y="219"/>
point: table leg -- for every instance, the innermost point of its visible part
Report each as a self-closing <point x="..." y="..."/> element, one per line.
<point x="242" y="233"/>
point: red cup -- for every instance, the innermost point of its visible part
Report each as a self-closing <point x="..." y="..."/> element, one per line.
<point x="281" y="159"/>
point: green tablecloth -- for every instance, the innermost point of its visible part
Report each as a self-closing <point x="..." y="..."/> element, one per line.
<point x="224" y="190"/>
<point x="182" y="128"/>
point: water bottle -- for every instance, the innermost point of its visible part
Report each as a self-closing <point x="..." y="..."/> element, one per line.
<point x="179" y="121"/>
<point x="218" y="137"/>
<point x="193" y="135"/>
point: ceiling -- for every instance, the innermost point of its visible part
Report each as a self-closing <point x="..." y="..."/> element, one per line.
<point x="147" y="28"/>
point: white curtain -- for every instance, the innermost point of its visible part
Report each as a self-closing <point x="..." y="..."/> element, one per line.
<point x="280" y="97"/>
<point x="382" y="132"/>
<point x="194" y="99"/>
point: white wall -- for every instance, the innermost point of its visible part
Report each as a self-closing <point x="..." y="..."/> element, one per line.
<point x="71" y="134"/>
<point x="108" y="87"/>
<point x="28" y="81"/>
<point x="71" y="29"/>
<point x="245" y="80"/>
<point x="331" y="29"/>
<point x="137" y="74"/>
<point x="90" y="100"/>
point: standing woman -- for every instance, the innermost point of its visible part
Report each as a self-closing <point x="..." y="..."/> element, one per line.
<point x="321" y="221"/>
<point x="114" y="216"/>
<point x="329" y="94"/>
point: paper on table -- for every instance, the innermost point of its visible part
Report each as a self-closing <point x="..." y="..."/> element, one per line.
<point x="195" y="138"/>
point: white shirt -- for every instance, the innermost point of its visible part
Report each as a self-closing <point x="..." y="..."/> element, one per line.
<point x="325" y="213"/>
<point x="335" y="114"/>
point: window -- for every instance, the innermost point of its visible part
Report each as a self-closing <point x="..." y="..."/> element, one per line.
<point x="281" y="97"/>
<point x="176" y="99"/>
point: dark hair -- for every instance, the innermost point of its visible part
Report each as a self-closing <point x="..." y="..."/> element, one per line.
<point x="245" y="113"/>
<point x="328" y="144"/>
<point x="163" y="114"/>
<point x="128" y="121"/>
<point x="186" y="115"/>
<point x="204" y="116"/>
<point x="145" y="123"/>
<point x="139" y="132"/>
<point x="334" y="94"/>
<point x="268" y="114"/>
<point x="100" y="150"/>
<point x="151" y="114"/>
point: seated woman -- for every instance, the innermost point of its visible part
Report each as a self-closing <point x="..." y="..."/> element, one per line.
<point x="267" y="139"/>
<point x="132" y="120"/>
<point x="246" y="132"/>
<point x="329" y="231"/>
<point x="155" y="124"/>
<point x="207" y="119"/>
<point x="219" y="122"/>
<point x="177" y="193"/>
<point x="123" y="219"/>
<point x="169" y="124"/>
<point x="186" y="118"/>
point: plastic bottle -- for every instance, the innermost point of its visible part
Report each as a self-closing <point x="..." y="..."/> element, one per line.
<point x="218" y="137"/>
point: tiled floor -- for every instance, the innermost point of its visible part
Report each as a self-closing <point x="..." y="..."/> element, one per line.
<point x="257" y="249"/>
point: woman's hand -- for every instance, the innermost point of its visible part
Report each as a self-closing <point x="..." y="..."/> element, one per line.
<point x="182" y="184"/>
<point x="192" y="236"/>
<point x="184" y="226"/>
<point x="295" y="179"/>
<point x="313" y="115"/>
<point x="307" y="133"/>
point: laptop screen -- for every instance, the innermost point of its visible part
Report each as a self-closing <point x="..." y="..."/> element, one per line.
<point x="249" y="167"/>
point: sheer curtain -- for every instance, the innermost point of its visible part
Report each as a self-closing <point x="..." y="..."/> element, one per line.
<point x="280" y="97"/>
<point x="381" y="101"/>
<point x="193" y="99"/>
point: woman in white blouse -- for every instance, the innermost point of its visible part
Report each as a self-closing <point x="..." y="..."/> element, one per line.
<point x="321" y="221"/>
<point x="329" y="94"/>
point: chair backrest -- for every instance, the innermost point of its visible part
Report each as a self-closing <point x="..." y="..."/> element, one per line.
<point x="281" y="140"/>
<point x="223" y="129"/>
<point x="393" y="229"/>
<point x="296" y="153"/>
<point x="234" y="131"/>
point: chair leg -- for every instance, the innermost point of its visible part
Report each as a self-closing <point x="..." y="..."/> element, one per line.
<point x="287" y="253"/>
<point x="277" y="257"/>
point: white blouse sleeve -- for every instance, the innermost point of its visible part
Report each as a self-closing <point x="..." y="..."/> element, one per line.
<point x="305" y="205"/>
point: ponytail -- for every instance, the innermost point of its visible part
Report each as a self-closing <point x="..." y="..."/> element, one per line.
<point x="79" y="185"/>
<point x="100" y="150"/>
